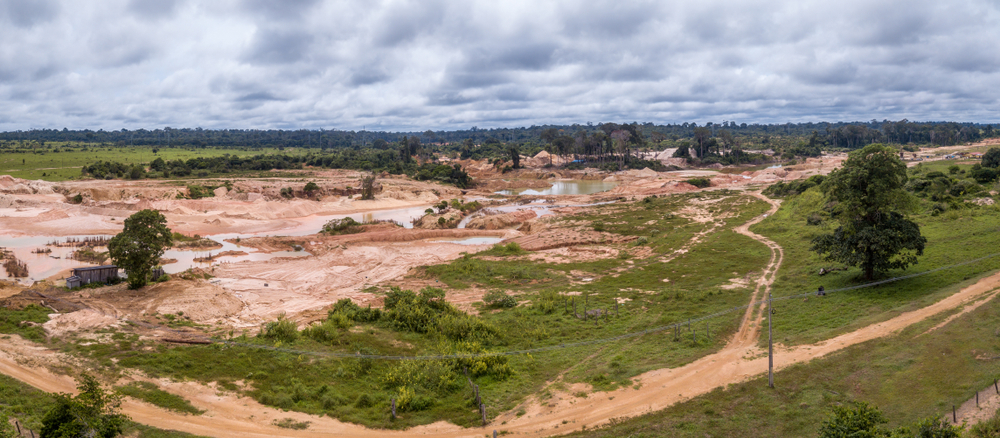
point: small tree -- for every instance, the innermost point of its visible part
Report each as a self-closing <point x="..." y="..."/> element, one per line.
<point x="991" y="158"/>
<point x="869" y="195"/>
<point x="515" y="156"/>
<point x="368" y="187"/>
<point x="92" y="413"/>
<point x="310" y="187"/>
<point x="862" y="421"/>
<point x="140" y="245"/>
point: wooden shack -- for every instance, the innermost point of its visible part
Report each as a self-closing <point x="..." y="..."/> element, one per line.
<point x="91" y="274"/>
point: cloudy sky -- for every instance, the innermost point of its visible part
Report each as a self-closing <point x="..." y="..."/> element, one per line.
<point x="416" y="65"/>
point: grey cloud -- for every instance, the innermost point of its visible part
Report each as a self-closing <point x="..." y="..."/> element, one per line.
<point x="449" y="64"/>
<point x="28" y="13"/>
<point x="278" y="46"/>
<point x="278" y="10"/>
<point x="153" y="9"/>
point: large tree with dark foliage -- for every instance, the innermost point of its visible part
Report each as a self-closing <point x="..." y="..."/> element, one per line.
<point x="873" y="234"/>
<point x="140" y="245"/>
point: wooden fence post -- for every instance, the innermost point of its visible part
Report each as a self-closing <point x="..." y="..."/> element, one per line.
<point x="394" y="408"/>
<point x="954" y="418"/>
<point x="616" y="307"/>
<point x="482" y="410"/>
<point x="977" y="399"/>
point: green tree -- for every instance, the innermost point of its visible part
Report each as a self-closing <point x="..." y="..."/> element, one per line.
<point x="515" y="156"/>
<point x="991" y="158"/>
<point x="937" y="428"/>
<point x="873" y="234"/>
<point x="92" y="413"/>
<point x="860" y="421"/>
<point x="140" y="245"/>
<point x="310" y="187"/>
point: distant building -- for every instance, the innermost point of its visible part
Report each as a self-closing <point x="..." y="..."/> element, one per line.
<point x="74" y="281"/>
<point x="91" y="274"/>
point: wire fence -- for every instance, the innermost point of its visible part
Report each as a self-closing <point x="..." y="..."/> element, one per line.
<point x="584" y="343"/>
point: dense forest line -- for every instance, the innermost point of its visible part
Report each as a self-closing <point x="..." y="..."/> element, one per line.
<point x="367" y="159"/>
<point x="850" y="135"/>
<point x="608" y="146"/>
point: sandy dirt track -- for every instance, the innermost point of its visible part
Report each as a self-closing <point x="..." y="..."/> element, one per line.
<point x="231" y="416"/>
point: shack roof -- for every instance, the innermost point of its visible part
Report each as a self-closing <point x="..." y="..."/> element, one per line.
<point x="95" y="268"/>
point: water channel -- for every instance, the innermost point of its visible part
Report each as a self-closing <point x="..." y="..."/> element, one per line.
<point x="577" y="187"/>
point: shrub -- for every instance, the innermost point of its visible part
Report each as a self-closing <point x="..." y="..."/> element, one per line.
<point x="499" y="299"/>
<point x="814" y="219"/>
<point x="281" y="329"/>
<point x="700" y="182"/>
<point x="310" y="187"/>
<point x="76" y="199"/>
<point x="342" y="226"/>
<point x="198" y="192"/>
<point x="953" y="169"/>
<point x="510" y="249"/>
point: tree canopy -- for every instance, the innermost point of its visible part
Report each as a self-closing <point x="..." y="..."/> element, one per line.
<point x="869" y="199"/>
<point x="92" y="413"/>
<point x="991" y="158"/>
<point x="140" y="245"/>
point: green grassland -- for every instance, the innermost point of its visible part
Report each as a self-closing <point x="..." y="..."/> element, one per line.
<point x="909" y="376"/>
<point x="29" y="406"/>
<point x="60" y="162"/>
<point x="299" y="370"/>
<point x="963" y="232"/>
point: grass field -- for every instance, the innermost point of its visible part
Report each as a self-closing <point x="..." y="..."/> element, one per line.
<point x="60" y="162"/>
<point x="909" y="377"/>
<point x="954" y="236"/>
<point x="437" y="390"/>
<point x="29" y="406"/>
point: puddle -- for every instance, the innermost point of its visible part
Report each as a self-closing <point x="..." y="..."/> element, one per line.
<point x="584" y="187"/>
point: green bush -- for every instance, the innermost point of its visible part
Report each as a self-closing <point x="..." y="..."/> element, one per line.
<point x="345" y="225"/>
<point x="700" y="182"/>
<point x="510" y="249"/>
<point x="499" y="299"/>
<point x="282" y="329"/>
<point x="310" y="187"/>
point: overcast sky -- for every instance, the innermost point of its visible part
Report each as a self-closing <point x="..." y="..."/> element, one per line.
<point x="417" y="65"/>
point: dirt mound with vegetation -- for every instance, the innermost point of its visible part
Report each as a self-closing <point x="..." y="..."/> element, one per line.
<point x="501" y="221"/>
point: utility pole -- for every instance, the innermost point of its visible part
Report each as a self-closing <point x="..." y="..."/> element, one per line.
<point x="770" y="345"/>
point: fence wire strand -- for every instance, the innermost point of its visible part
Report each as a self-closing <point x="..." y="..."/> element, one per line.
<point x="232" y="343"/>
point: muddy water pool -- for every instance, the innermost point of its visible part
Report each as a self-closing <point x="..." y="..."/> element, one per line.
<point x="581" y="187"/>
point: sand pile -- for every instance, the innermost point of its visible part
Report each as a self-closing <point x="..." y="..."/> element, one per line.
<point x="86" y="319"/>
<point x="500" y="221"/>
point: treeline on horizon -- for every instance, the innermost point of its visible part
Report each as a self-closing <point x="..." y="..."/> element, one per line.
<point x="848" y="135"/>
<point x="608" y="146"/>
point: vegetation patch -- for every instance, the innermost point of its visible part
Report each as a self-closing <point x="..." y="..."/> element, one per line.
<point x="150" y="393"/>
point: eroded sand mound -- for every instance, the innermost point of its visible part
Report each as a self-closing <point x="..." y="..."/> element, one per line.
<point x="500" y="221"/>
<point x="81" y="320"/>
